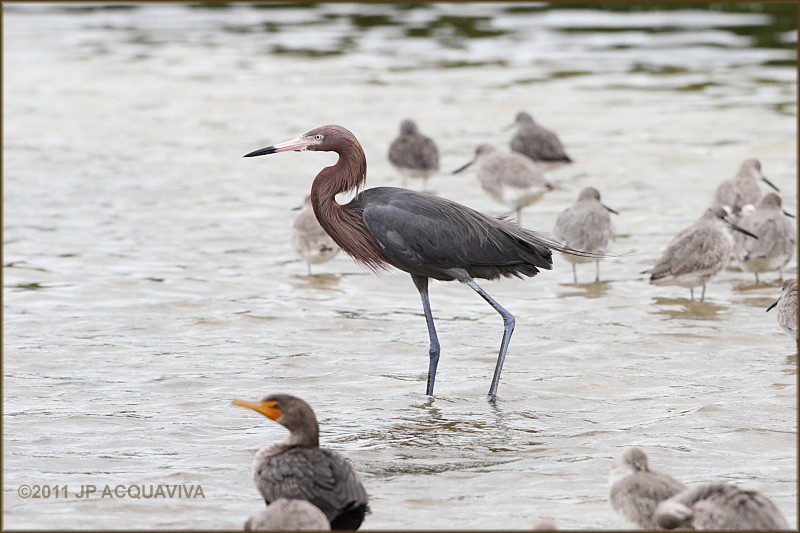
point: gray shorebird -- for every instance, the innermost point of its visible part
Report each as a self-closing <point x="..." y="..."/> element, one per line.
<point x="586" y="225"/>
<point x="536" y="142"/>
<point x="719" y="506"/>
<point x="511" y="179"/>
<point x="697" y="253"/>
<point x="413" y="154"/>
<point x="787" y="307"/>
<point x="424" y="235"/>
<point x="776" y="238"/>
<point x="741" y="190"/>
<point x="635" y="491"/>
<point x="309" y="239"/>
<point x="296" y="468"/>
<point x="288" y="515"/>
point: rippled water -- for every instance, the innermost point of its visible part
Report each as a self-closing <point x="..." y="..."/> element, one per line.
<point x="149" y="278"/>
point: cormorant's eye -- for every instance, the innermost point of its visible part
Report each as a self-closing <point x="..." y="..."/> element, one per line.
<point x="318" y="137"/>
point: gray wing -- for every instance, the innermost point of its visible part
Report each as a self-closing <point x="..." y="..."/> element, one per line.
<point x="319" y="476"/>
<point x="434" y="237"/>
<point x="414" y="151"/>
<point x="539" y="144"/>
<point x="637" y="496"/>
<point x="585" y="227"/>
<point x="776" y="237"/>
<point x="696" y="251"/>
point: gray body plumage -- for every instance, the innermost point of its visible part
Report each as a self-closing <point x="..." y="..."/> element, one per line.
<point x="719" y="506"/>
<point x="787" y="307"/>
<point x="288" y="515"/>
<point x="585" y="225"/>
<point x="413" y="154"/>
<point x="741" y="190"/>
<point x="510" y="178"/>
<point x="776" y="238"/>
<point x="696" y="254"/>
<point x="309" y="239"/>
<point x="536" y="142"/>
<point x="635" y="491"/>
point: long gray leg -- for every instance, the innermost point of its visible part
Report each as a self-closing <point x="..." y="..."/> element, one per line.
<point x="703" y="295"/>
<point x="691" y="292"/>
<point x="574" y="274"/>
<point x="756" y="273"/>
<point x="508" y="329"/>
<point x="597" y="276"/>
<point x="519" y="216"/>
<point x="422" y="287"/>
<point x="309" y="267"/>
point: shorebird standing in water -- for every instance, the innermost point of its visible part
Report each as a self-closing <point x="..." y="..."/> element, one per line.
<point x="536" y="142"/>
<point x="511" y="179"/>
<point x="635" y="491"/>
<point x="586" y="225"/>
<point x="414" y="154"/>
<point x="697" y="253"/>
<point x="787" y="307"/>
<point x="309" y="239"/>
<point x="776" y="238"/>
<point x="741" y="190"/>
<point x="719" y="506"/>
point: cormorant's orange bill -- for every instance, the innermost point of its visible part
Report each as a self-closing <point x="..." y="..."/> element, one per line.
<point x="268" y="409"/>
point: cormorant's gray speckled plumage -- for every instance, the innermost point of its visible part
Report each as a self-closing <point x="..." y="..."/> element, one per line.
<point x="719" y="506"/>
<point x="787" y="307"/>
<point x="511" y="179"/>
<point x="776" y="238"/>
<point x="309" y="239"/>
<point x="741" y="190"/>
<point x="697" y="253"/>
<point x="298" y="469"/>
<point x="586" y="225"/>
<point x="288" y="515"/>
<point x="536" y="142"/>
<point x="413" y="154"/>
<point x="635" y="491"/>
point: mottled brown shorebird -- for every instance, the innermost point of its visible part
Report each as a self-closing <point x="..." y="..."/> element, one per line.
<point x="635" y="491"/>
<point x="296" y="468"/>
<point x="787" y="307"/>
<point x="309" y="240"/>
<point x="776" y="238"/>
<point x="537" y="142"/>
<point x="741" y="190"/>
<point x="586" y="225"/>
<point x="288" y="515"/>
<point x="511" y="179"/>
<point x="413" y="154"/>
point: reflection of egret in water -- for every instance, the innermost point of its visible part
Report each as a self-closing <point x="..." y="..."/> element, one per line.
<point x="688" y="308"/>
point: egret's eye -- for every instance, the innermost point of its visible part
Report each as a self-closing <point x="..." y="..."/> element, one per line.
<point x="318" y="137"/>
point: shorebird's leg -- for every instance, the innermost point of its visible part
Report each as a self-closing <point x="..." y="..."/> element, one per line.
<point x="574" y="274"/>
<point x="422" y="286"/>
<point x="703" y="295"/>
<point x="519" y="216"/>
<point x="308" y="265"/>
<point x="756" y="273"/>
<point x="691" y="292"/>
<point x="508" y="329"/>
<point x="597" y="277"/>
<point x="780" y="274"/>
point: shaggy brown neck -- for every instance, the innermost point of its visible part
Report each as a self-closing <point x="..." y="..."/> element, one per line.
<point x="345" y="226"/>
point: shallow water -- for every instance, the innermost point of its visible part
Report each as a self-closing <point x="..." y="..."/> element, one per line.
<point x="149" y="278"/>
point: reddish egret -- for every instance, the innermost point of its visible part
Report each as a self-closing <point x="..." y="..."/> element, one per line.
<point x="787" y="307"/>
<point x="719" y="506"/>
<point x="288" y="515"/>
<point x="414" y="154"/>
<point x="424" y="235"/>
<point x="536" y="142"/>
<point x="697" y="253"/>
<point x="586" y="225"/>
<point x="510" y="178"/>
<point x="297" y="468"/>
<point x="741" y="190"/>
<point x="635" y="491"/>
<point x="309" y="239"/>
<point x="776" y="238"/>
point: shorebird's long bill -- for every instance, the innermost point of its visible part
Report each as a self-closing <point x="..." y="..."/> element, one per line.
<point x="741" y="230"/>
<point x="788" y="214"/>
<point x="459" y="169"/>
<point x="770" y="184"/>
<point x="296" y="145"/>
<point x="609" y="209"/>
<point x="265" y="408"/>
<point x="773" y="305"/>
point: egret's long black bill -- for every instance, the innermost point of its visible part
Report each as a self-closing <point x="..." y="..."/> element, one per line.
<point x="773" y="305"/>
<point x="609" y="209"/>
<point x="456" y="171"/>
<point x="741" y="230"/>
<point x="263" y="151"/>
<point x="770" y="184"/>
<point x="788" y="214"/>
